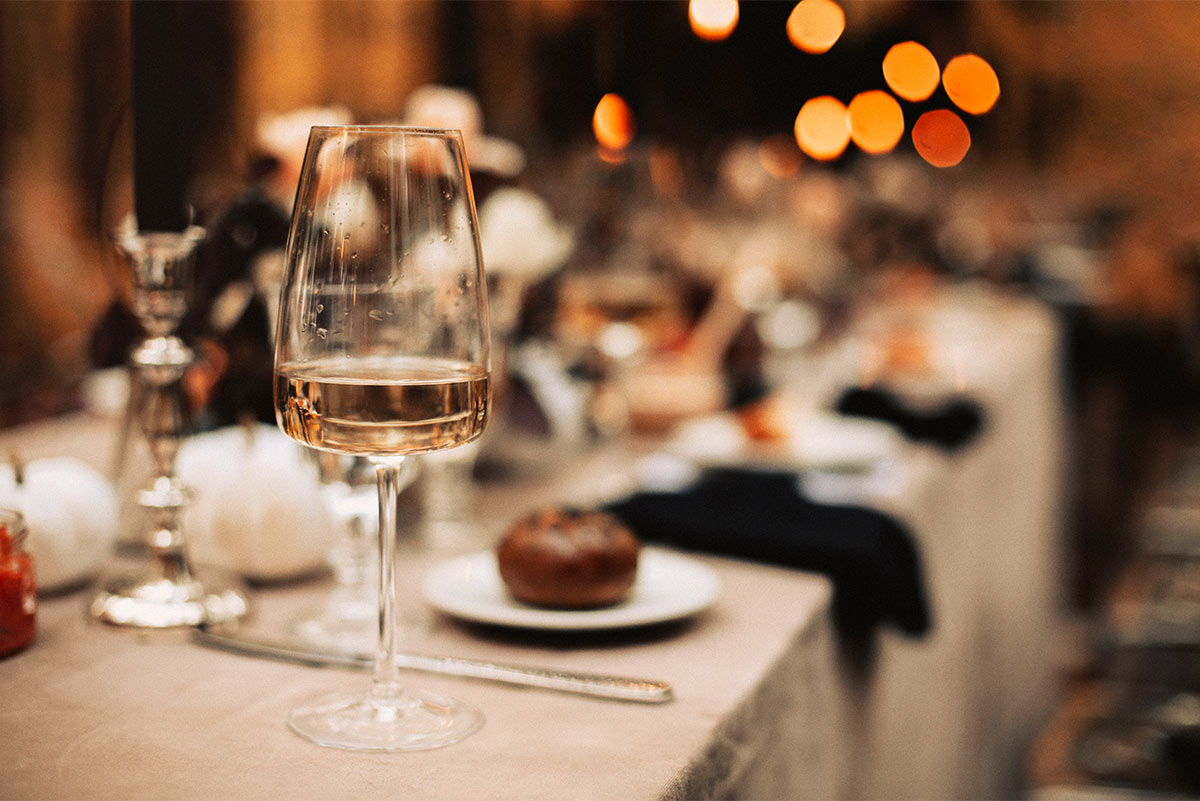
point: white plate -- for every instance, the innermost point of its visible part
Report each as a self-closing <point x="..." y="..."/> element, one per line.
<point x="668" y="587"/>
<point x="817" y="440"/>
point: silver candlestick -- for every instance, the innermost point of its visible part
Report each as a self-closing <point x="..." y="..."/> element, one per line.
<point x="169" y="591"/>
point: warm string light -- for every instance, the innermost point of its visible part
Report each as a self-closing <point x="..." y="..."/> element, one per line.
<point x="713" y="20"/>
<point x="778" y="156"/>
<point x="814" y="26"/>
<point x="876" y="121"/>
<point x="911" y="71"/>
<point x="823" y="128"/>
<point x="971" y="83"/>
<point x="941" y="137"/>
<point x="614" y="126"/>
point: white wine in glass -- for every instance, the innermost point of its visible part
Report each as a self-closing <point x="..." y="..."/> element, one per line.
<point x="383" y="405"/>
<point x="383" y="350"/>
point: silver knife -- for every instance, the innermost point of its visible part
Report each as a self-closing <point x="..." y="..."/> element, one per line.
<point x="618" y="688"/>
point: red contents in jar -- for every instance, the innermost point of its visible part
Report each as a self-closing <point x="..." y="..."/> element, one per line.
<point x="18" y="595"/>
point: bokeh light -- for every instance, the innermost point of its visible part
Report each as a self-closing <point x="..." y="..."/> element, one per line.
<point x="613" y="123"/>
<point x="971" y="83"/>
<point x="876" y="121"/>
<point x="815" y="25"/>
<point x="779" y="156"/>
<point x="713" y="20"/>
<point x="941" y="137"/>
<point x="911" y="71"/>
<point x="823" y="128"/>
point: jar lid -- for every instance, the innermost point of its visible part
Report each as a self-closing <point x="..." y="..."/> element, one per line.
<point x="13" y="522"/>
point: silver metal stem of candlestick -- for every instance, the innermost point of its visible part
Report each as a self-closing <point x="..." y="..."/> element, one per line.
<point x="169" y="591"/>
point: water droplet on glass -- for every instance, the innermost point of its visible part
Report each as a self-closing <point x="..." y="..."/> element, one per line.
<point x="320" y="307"/>
<point x="322" y="333"/>
<point x="375" y="314"/>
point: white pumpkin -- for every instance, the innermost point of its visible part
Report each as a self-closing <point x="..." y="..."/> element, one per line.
<point x="71" y="510"/>
<point x="258" y="508"/>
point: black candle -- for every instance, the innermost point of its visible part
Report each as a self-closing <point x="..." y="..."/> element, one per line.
<point x="160" y="162"/>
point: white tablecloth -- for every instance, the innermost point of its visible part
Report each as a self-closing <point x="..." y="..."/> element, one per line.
<point x="762" y="709"/>
<point x="91" y="712"/>
<point x="951" y="715"/>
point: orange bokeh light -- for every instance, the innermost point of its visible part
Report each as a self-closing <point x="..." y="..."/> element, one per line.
<point x="814" y="25"/>
<point x="911" y="71"/>
<point x="779" y="156"/>
<point x="941" y="137"/>
<point x="971" y="83"/>
<point x="613" y="122"/>
<point x="713" y="20"/>
<point x="822" y="128"/>
<point x="876" y="121"/>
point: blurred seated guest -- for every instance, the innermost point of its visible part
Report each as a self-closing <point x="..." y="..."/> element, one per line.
<point x="281" y="140"/>
<point x="231" y="308"/>
<point x="493" y="161"/>
<point x="1137" y="381"/>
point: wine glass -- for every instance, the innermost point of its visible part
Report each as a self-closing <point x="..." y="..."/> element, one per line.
<point x="383" y="350"/>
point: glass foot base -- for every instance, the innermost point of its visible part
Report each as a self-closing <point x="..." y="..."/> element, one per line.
<point x="415" y="720"/>
<point x="353" y="628"/>
<point x="340" y="629"/>
<point x="206" y="597"/>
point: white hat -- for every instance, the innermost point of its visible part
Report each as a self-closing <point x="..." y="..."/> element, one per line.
<point x="435" y="106"/>
<point x="286" y="135"/>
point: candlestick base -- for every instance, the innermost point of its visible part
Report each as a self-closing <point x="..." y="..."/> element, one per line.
<point x="207" y="596"/>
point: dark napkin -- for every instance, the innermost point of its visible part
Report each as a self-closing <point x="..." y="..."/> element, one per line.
<point x="950" y="425"/>
<point x="871" y="559"/>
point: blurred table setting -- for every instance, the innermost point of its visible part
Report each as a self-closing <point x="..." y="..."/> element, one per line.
<point x="873" y="584"/>
<point x="847" y="489"/>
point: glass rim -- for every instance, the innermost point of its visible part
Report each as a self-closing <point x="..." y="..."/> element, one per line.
<point x="418" y="130"/>
<point x="14" y="522"/>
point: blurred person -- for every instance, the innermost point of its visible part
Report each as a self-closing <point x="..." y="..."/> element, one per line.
<point x="230" y="317"/>
<point x="53" y="290"/>
<point x="493" y="161"/>
<point x="1138" y="387"/>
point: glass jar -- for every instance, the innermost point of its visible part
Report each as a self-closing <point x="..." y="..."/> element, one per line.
<point x="18" y="590"/>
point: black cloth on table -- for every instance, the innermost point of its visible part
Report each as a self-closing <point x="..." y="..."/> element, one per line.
<point x="871" y="558"/>
<point x="950" y="425"/>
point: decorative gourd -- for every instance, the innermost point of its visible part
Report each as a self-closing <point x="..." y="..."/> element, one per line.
<point x="258" y="508"/>
<point x="71" y="511"/>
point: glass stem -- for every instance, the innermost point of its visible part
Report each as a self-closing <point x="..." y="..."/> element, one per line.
<point x="385" y="685"/>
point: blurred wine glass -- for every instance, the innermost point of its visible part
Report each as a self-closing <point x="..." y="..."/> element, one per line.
<point x="347" y="618"/>
<point x="523" y="244"/>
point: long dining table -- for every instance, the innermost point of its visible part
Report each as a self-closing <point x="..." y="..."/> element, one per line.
<point x="91" y="711"/>
<point x="769" y="701"/>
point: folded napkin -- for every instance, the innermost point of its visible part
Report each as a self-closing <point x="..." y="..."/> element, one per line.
<point x="950" y="425"/>
<point x="871" y="559"/>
